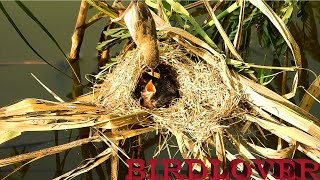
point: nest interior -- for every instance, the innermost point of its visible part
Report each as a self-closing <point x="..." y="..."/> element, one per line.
<point x="167" y="86"/>
<point x="202" y="101"/>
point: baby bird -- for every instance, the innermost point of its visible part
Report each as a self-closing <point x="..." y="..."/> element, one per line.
<point x="158" y="92"/>
<point x="147" y="93"/>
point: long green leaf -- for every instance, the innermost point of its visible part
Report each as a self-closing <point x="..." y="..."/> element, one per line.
<point x="26" y="41"/>
<point x="35" y="19"/>
<point x="224" y="13"/>
<point x="177" y="7"/>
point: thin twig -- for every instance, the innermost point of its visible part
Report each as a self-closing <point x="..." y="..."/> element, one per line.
<point x="46" y="151"/>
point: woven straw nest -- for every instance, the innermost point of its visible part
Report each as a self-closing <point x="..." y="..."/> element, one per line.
<point x="206" y="102"/>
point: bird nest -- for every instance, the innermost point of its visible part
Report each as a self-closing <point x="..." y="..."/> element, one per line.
<point x="206" y="98"/>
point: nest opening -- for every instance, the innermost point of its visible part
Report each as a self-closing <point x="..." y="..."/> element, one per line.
<point x="167" y="87"/>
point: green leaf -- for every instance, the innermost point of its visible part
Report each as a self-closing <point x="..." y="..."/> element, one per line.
<point x="234" y="63"/>
<point x="30" y="14"/>
<point x="36" y="20"/>
<point x="123" y="34"/>
<point x="177" y="7"/>
<point x="95" y="18"/>
<point x="248" y="71"/>
<point x="223" y="14"/>
<point x="200" y="31"/>
<point x="113" y="31"/>
<point x="117" y="35"/>
<point x="105" y="44"/>
<point x="26" y="41"/>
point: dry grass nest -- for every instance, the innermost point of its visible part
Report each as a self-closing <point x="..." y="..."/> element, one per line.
<point x="206" y="100"/>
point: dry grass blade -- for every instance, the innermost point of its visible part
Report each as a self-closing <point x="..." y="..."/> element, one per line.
<point x="220" y="149"/>
<point x="190" y="150"/>
<point x="117" y="122"/>
<point x="279" y="24"/>
<point x="114" y="163"/>
<point x="49" y="90"/>
<point x="87" y="165"/>
<point x="312" y="92"/>
<point x="291" y="132"/>
<point x="251" y="65"/>
<point x="314" y="154"/>
<point x="221" y="31"/>
<point x="275" y="154"/>
<point x="39" y="124"/>
<point x="191" y="38"/>
<point x="164" y="26"/>
<point x="245" y="127"/>
<point x="199" y="52"/>
<point x="86" y="98"/>
<point x="121" y="135"/>
<point x="41" y="115"/>
<point x="7" y="135"/>
<point x="193" y="5"/>
<point x="45" y="152"/>
<point x="206" y="55"/>
<point x="280" y="107"/>
<point x="244" y="152"/>
<point x="18" y="168"/>
<point x="237" y="38"/>
<point x="254" y="175"/>
<point x="33" y="106"/>
<point x="181" y="146"/>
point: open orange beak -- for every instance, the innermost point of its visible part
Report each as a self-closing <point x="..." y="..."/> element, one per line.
<point x="150" y="87"/>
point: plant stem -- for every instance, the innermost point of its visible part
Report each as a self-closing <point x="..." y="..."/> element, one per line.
<point x="77" y="38"/>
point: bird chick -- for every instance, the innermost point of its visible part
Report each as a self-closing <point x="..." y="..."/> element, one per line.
<point x="147" y="93"/>
<point x="158" y="92"/>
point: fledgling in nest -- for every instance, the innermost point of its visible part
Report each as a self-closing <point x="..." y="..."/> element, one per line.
<point x="158" y="92"/>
